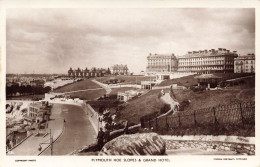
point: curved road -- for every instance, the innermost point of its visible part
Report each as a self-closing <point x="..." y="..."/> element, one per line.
<point x="78" y="131"/>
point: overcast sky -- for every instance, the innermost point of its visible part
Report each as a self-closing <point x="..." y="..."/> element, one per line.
<point x="52" y="40"/>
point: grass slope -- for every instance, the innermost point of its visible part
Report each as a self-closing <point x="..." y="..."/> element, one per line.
<point x="190" y="80"/>
<point x="128" y="79"/>
<point x="81" y="85"/>
<point x="150" y="103"/>
<point x="88" y="95"/>
<point x="27" y="97"/>
<point x="184" y="81"/>
<point x="205" y="99"/>
<point x="141" y="106"/>
<point x="115" y="90"/>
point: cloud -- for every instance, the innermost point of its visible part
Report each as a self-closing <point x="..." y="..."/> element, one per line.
<point x="52" y="40"/>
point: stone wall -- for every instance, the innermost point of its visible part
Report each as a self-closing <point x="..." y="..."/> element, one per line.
<point x="240" y="145"/>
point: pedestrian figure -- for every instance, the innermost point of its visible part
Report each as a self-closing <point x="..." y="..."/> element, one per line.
<point x="100" y="138"/>
<point x="162" y="92"/>
<point x="64" y="121"/>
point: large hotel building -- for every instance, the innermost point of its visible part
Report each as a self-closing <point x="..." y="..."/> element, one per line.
<point x="159" y="63"/>
<point x="119" y="69"/>
<point x="245" y="64"/>
<point x="207" y="61"/>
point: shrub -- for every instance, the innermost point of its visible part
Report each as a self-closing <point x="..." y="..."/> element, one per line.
<point x="165" y="108"/>
<point x="184" y="104"/>
<point x="160" y="95"/>
<point x="197" y="89"/>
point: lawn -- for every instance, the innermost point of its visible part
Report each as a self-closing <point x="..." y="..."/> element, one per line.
<point x="227" y="76"/>
<point x="183" y="81"/>
<point x="143" y="105"/>
<point x="26" y="97"/>
<point x="88" y="95"/>
<point x="123" y="89"/>
<point x="150" y="103"/>
<point x="128" y="79"/>
<point x="205" y="99"/>
<point x="228" y="117"/>
<point x="81" y="85"/>
<point x="190" y="80"/>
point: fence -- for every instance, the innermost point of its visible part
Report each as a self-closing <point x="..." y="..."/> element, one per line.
<point x="222" y="115"/>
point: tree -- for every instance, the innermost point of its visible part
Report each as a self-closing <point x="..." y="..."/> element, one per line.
<point x="108" y="71"/>
<point x="28" y="89"/>
<point x="101" y="109"/>
<point x="14" y="88"/>
<point x="9" y="91"/>
<point x="47" y="89"/>
<point x="22" y="89"/>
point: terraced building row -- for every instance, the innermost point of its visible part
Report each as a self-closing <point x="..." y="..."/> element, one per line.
<point x="201" y="62"/>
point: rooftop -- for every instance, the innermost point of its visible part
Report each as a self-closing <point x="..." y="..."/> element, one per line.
<point x="211" y="52"/>
<point x="119" y="65"/>
<point x="248" y="56"/>
<point x="161" y="55"/>
<point x="38" y="105"/>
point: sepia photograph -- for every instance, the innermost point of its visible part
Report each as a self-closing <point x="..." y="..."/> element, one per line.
<point x="130" y="81"/>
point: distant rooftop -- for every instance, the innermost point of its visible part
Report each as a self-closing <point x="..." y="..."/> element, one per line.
<point x="119" y="65"/>
<point x="37" y="105"/>
<point x="248" y="56"/>
<point x="211" y="52"/>
<point x="161" y="55"/>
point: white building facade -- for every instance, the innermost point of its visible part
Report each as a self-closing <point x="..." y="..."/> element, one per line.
<point x="159" y="63"/>
<point x="245" y="64"/>
<point x="207" y="61"/>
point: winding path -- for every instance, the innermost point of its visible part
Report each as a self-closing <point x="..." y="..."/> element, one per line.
<point x="108" y="90"/>
<point x="168" y="100"/>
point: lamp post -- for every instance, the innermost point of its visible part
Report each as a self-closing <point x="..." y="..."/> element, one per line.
<point x="50" y="143"/>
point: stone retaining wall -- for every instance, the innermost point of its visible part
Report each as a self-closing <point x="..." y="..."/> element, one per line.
<point x="92" y="115"/>
<point x="240" y="145"/>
